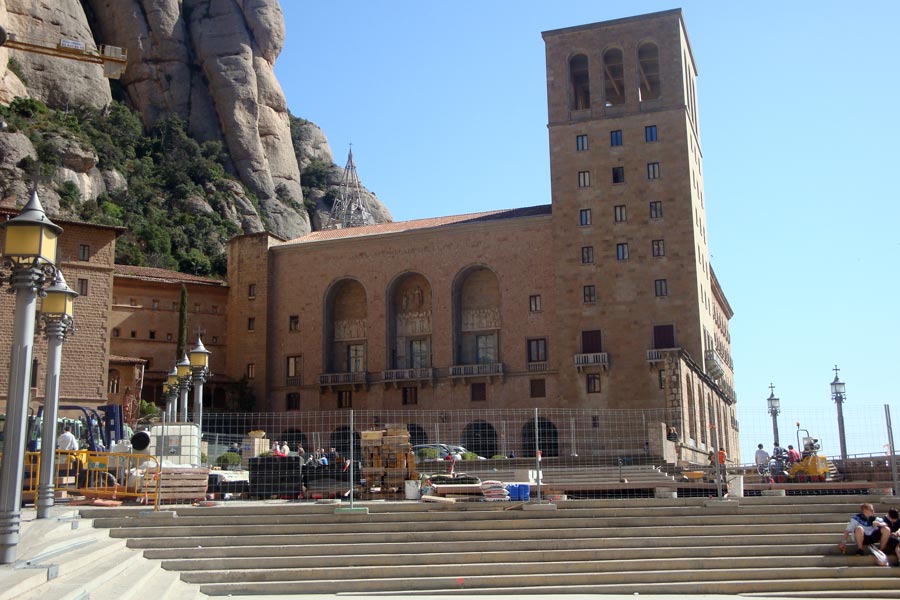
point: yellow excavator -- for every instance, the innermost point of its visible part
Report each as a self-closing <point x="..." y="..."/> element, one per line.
<point x="812" y="466"/>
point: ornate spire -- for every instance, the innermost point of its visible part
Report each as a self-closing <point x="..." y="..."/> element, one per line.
<point x="350" y="209"/>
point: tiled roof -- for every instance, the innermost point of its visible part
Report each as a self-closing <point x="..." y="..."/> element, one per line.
<point x="129" y="360"/>
<point x="420" y="224"/>
<point x="163" y="275"/>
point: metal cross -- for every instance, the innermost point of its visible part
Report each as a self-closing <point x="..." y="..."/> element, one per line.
<point x="835" y="369"/>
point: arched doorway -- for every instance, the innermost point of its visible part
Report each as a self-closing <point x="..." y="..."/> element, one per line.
<point x="417" y="434"/>
<point x="548" y="438"/>
<point x="480" y="437"/>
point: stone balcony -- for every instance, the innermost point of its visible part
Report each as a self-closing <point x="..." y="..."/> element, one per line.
<point x="355" y="379"/>
<point x="464" y="372"/>
<point x="419" y="375"/>
<point x="592" y="359"/>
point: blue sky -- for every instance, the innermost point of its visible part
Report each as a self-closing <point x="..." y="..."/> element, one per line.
<point x="445" y="104"/>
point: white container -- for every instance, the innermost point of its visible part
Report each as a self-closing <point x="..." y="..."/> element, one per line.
<point x="411" y="489"/>
<point x="737" y="486"/>
<point x="178" y="443"/>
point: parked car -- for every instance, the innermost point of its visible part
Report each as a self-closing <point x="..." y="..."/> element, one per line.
<point x="461" y="450"/>
<point x="443" y="451"/>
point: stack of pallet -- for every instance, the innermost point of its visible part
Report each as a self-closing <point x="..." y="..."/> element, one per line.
<point x="388" y="459"/>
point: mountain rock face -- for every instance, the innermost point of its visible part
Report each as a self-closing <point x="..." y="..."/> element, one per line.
<point x="208" y="61"/>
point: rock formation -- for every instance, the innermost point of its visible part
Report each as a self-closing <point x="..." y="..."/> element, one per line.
<point x="209" y="61"/>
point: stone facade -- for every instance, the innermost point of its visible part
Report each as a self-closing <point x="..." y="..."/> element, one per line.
<point x="144" y="324"/>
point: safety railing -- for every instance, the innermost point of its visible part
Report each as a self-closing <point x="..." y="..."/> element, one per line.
<point x="108" y="475"/>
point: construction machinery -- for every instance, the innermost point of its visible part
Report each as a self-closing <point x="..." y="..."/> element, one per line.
<point x="812" y="466"/>
<point x="112" y="58"/>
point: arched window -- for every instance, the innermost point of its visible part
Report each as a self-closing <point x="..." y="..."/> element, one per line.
<point x="476" y="316"/>
<point x="614" y="77"/>
<point x="648" y="65"/>
<point x="580" y="83"/>
<point x="346" y="327"/>
<point x="114" y="377"/>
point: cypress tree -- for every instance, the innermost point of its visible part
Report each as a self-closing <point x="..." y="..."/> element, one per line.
<point x="181" y="348"/>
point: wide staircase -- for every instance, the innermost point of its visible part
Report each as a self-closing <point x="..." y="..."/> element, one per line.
<point x="765" y="545"/>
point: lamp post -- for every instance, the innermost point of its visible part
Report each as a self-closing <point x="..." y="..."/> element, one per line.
<point x="199" y="357"/>
<point x="170" y="389"/>
<point x="774" y="410"/>
<point x="57" y="311"/>
<point x="838" y="395"/>
<point x="29" y="249"/>
<point x="183" y="369"/>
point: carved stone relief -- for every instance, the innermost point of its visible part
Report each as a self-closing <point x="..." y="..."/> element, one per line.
<point x="414" y="323"/>
<point x="350" y="329"/>
<point x="480" y="318"/>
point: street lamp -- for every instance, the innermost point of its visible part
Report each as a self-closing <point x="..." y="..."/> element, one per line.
<point x="199" y="357"/>
<point x="838" y="395"/>
<point x="774" y="410"/>
<point x="170" y="389"/>
<point x="183" y="369"/>
<point x="29" y="249"/>
<point x="57" y="311"/>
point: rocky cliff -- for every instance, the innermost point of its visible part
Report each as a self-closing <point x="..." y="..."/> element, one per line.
<point x="208" y="61"/>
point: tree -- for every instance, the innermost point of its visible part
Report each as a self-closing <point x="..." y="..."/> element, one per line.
<point x="181" y="348"/>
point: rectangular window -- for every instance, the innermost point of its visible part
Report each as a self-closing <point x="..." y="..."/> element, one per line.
<point x="584" y="216"/>
<point x="82" y="287"/>
<point x="593" y="383"/>
<point x="294" y="323"/>
<point x="590" y="294"/>
<point x="664" y="336"/>
<point x="116" y="332"/>
<point x="591" y="341"/>
<point x="621" y="251"/>
<point x="292" y="369"/>
<point x="618" y="174"/>
<point x="345" y="399"/>
<point x="587" y="255"/>
<point x="215" y="339"/>
<point x="251" y="290"/>
<point x="196" y="307"/>
<point x="650" y="133"/>
<point x="534" y="303"/>
<point x="662" y="379"/>
<point x="619" y="213"/>
<point x="410" y="395"/>
<point x="214" y="309"/>
<point x="84" y="252"/>
<point x="133" y="333"/>
<point x="656" y="211"/>
<point x="152" y="335"/>
<point x="418" y="354"/>
<point x="168" y="337"/>
<point x="615" y="137"/>
<point x="538" y="388"/>
<point x="486" y="349"/>
<point x="478" y="392"/>
<point x="356" y="358"/>
<point x="251" y="370"/>
<point x="659" y="248"/>
<point x="662" y="287"/>
<point x="537" y="350"/>
<point x="595" y="422"/>
<point x="653" y="170"/>
<point x="251" y="324"/>
<point x="581" y="143"/>
<point x="584" y="179"/>
<point x="154" y="304"/>
<point x="292" y="401"/>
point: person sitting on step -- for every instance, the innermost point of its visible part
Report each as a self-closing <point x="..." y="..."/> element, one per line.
<point x="865" y="530"/>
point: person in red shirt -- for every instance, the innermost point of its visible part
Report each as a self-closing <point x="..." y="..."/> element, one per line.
<point x="793" y="454"/>
<point x="722" y="456"/>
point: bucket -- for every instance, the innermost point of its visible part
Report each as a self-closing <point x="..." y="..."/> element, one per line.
<point x="411" y="490"/>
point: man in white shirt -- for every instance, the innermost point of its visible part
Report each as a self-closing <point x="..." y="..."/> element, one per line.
<point x="762" y="457"/>
<point x="66" y="441"/>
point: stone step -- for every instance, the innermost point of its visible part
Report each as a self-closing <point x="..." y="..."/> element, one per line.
<point x="80" y="584"/>
<point x="360" y="524"/>
<point x="724" y="580"/>
<point x="705" y="564"/>
<point x="145" y="579"/>
<point x="281" y="557"/>
<point x="432" y="551"/>
<point x="224" y="535"/>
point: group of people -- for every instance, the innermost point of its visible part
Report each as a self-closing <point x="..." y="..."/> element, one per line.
<point x="789" y="456"/>
<point x="881" y="535"/>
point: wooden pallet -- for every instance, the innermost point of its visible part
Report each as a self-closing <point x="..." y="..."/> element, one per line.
<point x="183" y="484"/>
